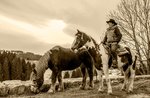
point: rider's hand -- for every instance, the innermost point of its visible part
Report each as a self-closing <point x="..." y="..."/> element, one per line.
<point x="103" y="42"/>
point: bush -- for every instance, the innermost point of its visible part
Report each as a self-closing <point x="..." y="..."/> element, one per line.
<point x="66" y="75"/>
<point x="76" y="73"/>
<point x="73" y="74"/>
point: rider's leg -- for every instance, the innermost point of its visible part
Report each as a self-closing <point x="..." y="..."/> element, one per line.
<point x="114" y="47"/>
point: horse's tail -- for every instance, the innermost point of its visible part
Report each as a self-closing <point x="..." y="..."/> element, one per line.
<point x="129" y="55"/>
<point x="134" y="63"/>
<point x="130" y="58"/>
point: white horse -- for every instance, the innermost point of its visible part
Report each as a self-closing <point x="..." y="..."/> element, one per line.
<point x="127" y="67"/>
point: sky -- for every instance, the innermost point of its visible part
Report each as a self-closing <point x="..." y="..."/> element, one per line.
<point x="38" y="25"/>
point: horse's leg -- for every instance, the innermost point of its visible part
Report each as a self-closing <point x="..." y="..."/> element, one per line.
<point x="61" y="86"/>
<point x="124" y="86"/>
<point x="84" y="75"/>
<point x="131" y="80"/>
<point x="100" y="81"/>
<point x="53" y="80"/>
<point x="90" y="72"/>
<point x="106" y="72"/>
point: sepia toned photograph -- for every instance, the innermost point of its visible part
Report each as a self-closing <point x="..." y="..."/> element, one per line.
<point x="74" y="48"/>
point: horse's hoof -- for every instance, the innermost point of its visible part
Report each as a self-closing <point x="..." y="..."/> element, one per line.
<point x="34" y="90"/>
<point x="90" y="88"/>
<point x="100" y="90"/>
<point x="109" y="93"/>
<point x="123" y="89"/>
<point x="129" y="91"/>
<point x="60" y="89"/>
<point x="50" y="91"/>
<point x="82" y="87"/>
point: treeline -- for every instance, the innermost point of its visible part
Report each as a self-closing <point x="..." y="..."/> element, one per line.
<point x="14" y="68"/>
<point x="29" y="56"/>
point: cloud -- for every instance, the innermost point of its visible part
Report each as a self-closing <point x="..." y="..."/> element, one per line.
<point x="86" y="13"/>
<point x="20" y="42"/>
<point x="29" y="19"/>
<point x="25" y="42"/>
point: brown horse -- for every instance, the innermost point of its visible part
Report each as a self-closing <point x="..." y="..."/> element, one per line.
<point x="128" y="67"/>
<point x="60" y="59"/>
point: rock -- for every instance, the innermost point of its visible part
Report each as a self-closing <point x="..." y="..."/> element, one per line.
<point x="18" y="87"/>
<point x="3" y="90"/>
<point x="15" y="87"/>
<point x="13" y="90"/>
<point x="148" y="89"/>
<point x="21" y="89"/>
<point x="45" y="87"/>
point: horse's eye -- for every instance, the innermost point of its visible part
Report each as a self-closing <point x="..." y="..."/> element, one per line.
<point x="34" y="81"/>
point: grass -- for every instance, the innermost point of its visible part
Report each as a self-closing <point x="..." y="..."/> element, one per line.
<point x="141" y="90"/>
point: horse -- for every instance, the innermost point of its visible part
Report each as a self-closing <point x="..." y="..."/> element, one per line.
<point x="128" y="67"/>
<point x="59" y="59"/>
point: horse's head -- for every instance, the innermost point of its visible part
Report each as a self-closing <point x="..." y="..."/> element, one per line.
<point x="36" y="81"/>
<point x="80" y="40"/>
<point x="83" y="39"/>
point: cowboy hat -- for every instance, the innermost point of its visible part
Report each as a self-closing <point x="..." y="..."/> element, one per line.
<point x="112" y="21"/>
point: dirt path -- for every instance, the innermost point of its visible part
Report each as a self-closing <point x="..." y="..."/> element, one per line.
<point x="141" y="90"/>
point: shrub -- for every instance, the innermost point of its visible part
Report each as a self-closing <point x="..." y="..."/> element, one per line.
<point x="76" y="73"/>
<point x="66" y="75"/>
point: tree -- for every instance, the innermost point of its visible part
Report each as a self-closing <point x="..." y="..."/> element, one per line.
<point x="24" y="69"/>
<point x="6" y="74"/>
<point x="28" y="70"/>
<point x="16" y="69"/>
<point x="133" y="17"/>
<point x="1" y="72"/>
<point x="13" y="67"/>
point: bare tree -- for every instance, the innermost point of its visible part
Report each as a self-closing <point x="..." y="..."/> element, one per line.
<point x="133" y="18"/>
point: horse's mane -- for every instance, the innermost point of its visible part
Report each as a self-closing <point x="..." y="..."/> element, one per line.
<point x="95" y="43"/>
<point x="86" y="36"/>
<point x="91" y="39"/>
<point x="42" y="64"/>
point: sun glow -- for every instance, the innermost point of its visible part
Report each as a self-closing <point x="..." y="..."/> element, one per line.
<point x="53" y="32"/>
<point x="56" y="25"/>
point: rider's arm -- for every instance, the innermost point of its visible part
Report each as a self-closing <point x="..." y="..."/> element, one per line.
<point x="105" y="39"/>
<point x="118" y="33"/>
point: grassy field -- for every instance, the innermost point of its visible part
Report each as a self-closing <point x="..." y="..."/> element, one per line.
<point x="141" y="90"/>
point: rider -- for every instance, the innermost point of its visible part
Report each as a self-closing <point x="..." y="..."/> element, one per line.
<point x="111" y="40"/>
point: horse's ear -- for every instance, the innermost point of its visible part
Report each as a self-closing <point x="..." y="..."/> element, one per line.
<point x="33" y="66"/>
<point x="78" y="30"/>
<point x="34" y="71"/>
<point x="82" y="35"/>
